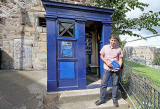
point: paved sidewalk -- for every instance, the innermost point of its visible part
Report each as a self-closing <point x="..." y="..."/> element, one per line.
<point x="22" y="89"/>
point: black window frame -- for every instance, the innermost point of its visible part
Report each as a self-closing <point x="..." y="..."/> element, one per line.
<point x="72" y="23"/>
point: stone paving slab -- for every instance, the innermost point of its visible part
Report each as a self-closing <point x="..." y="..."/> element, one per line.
<point x="27" y="90"/>
<point x="22" y="89"/>
<point x="91" y="105"/>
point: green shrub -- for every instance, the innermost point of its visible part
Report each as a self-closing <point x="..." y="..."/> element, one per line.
<point x="156" y="60"/>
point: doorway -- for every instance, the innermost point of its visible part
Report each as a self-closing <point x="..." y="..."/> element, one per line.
<point x="93" y="31"/>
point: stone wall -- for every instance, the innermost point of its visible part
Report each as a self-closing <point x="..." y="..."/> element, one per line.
<point x="23" y="41"/>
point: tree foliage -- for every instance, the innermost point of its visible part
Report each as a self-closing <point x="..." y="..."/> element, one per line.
<point x="123" y="25"/>
<point x="156" y="60"/>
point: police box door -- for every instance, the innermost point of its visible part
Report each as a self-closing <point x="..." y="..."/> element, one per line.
<point x="71" y="71"/>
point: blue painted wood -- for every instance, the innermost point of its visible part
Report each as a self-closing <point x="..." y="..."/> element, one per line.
<point x="77" y="7"/>
<point x="51" y="55"/>
<point x="67" y="59"/>
<point x="69" y="80"/>
<point x="73" y="14"/>
<point x="106" y="32"/>
<point x="66" y="81"/>
<point x="56" y="11"/>
<point x="101" y="62"/>
<point x="72" y="11"/>
<point x="67" y="70"/>
<point x="66" y="38"/>
<point x="80" y="54"/>
<point x="79" y="81"/>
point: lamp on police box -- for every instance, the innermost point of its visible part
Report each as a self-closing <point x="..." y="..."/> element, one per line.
<point x="115" y="65"/>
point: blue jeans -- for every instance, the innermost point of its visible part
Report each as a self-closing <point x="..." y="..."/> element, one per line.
<point x="104" y="83"/>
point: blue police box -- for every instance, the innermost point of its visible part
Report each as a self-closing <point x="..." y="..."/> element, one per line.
<point x="66" y="51"/>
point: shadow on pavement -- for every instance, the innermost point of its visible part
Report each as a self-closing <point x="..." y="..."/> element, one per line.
<point x="22" y="89"/>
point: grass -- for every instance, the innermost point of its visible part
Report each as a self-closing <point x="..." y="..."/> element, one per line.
<point x="149" y="72"/>
<point x="133" y="99"/>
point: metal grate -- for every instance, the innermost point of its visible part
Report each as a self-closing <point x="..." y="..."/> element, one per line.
<point x="144" y="91"/>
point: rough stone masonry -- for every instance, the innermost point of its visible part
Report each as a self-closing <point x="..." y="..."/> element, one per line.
<point x="23" y="37"/>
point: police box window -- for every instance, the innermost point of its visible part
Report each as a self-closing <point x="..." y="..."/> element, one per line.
<point x="66" y="29"/>
<point x="42" y="21"/>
